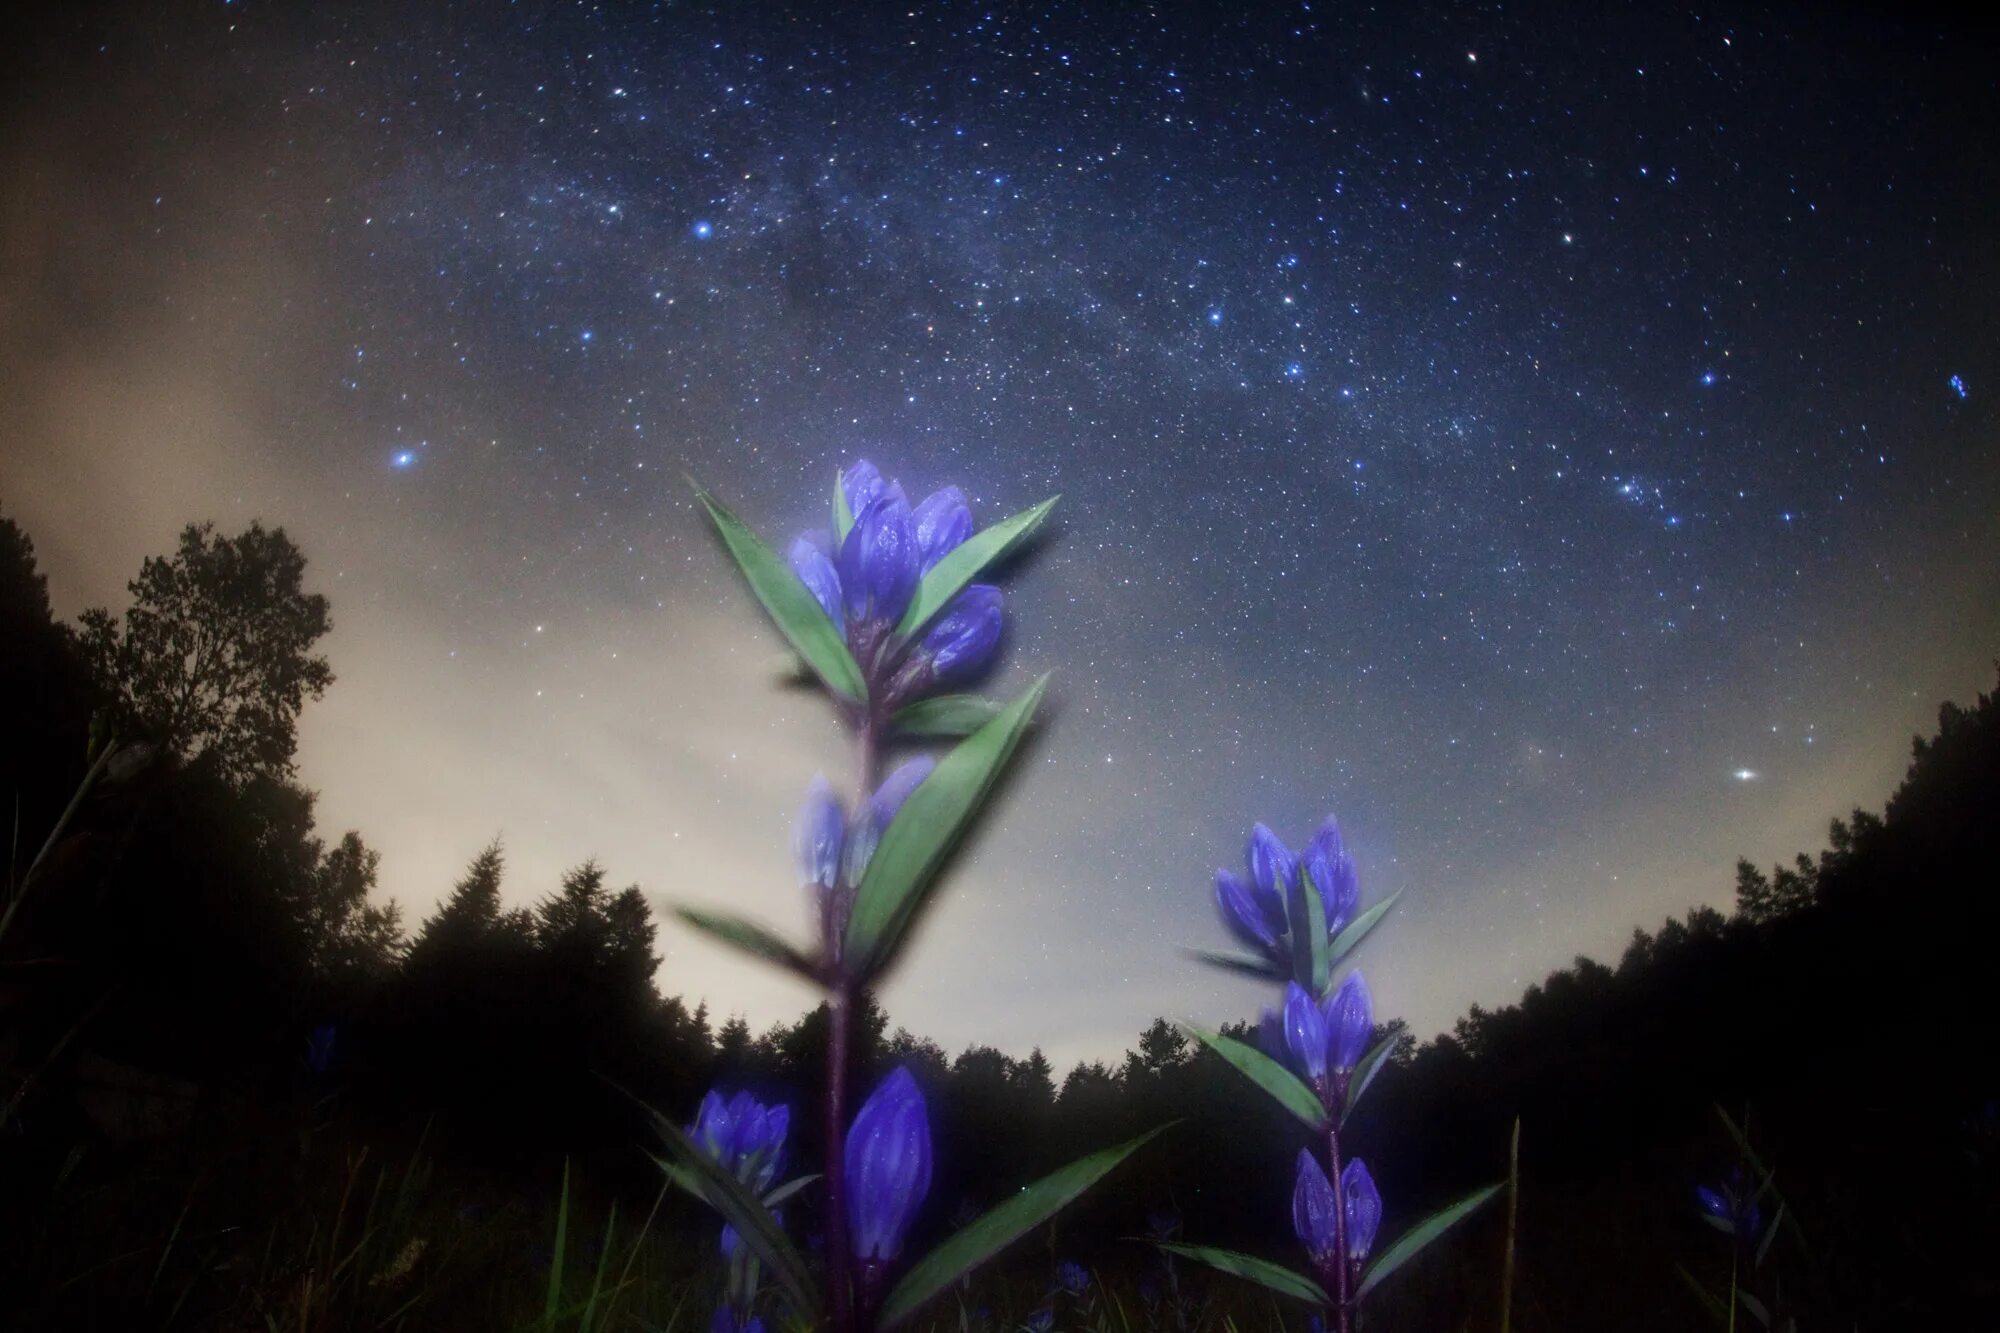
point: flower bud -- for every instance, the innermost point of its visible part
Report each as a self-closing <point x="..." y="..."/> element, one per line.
<point x="809" y="560"/>
<point x="1332" y="871"/>
<point x="1272" y="865"/>
<point x="1349" y="1022"/>
<point x="1363" y="1206"/>
<point x="878" y="562"/>
<point x="863" y="838"/>
<point x="943" y="521"/>
<point x="1250" y="916"/>
<point x="1305" y="1033"/>
<point x="1315" y="1210"/>
<point x="821" y="832"/>
<point x="961" y="641"/>
<point x="888" y="1166"/>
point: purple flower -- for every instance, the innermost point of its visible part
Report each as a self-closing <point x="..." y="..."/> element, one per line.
<point x="862" y="484"/>
<point x="1315" y="1210"/>
<point x="1255" y="915"/>
<point x="1305" y="1033"/>
<point x="1332" y="871"/>
<point x="943" y="522"/>
<point x="809" y="560"/>
<point x="1272" y="865"/>
<point x="888" y="1166"/>
<point x="1041" y="1321"/>
<point x="878" y="563"/>
<point x="1073" y="1278"/>
<point x="867" y="833"/>
<point x="962" y="640"/>
<point x="730" y="1320"/>
<point x="744" y="1135"/>
<point x="1363" y="1206"/>
<point x="821" y="833"/>
<point x="1349" y="1021"/>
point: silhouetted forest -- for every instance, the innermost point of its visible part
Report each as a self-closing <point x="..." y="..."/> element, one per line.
<point x="200" y="992"/>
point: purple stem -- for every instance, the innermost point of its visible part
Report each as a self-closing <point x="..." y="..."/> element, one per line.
<point x="839" y="1013"/>
<point x="1340" y="1302"/>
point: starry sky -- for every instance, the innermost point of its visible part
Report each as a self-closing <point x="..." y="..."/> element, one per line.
<point x="1561" y="448"/>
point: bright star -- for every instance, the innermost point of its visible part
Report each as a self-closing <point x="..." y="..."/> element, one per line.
<point x="1708" y="377"/>
<point x="402" y="458"/>
<point x="703" y="230"/>
<point x="1957" y="383"/>
<point x="1745" y="775"/>
<point x="1215" y="316"/>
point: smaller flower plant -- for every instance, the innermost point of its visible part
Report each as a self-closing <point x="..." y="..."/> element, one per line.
<point x="1297" y="914"/>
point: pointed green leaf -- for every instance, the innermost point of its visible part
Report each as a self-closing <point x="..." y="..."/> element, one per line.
<point x="751" y="938"/>
<point x="1709" y="1303"/>
<point x="1423" y="1233"/>
<point x="1261" y="1271"/>
<point x="792" y="607"/>
<point x="989" y="1234"/>
<point x="1261" y="968"/>
<point x="1770" y="1234"/>
<point x="702" y="1176"/>
<point x="1758" y="1310"/>
<point x="946" y="715"/>
<point x="1344" y="943"/>
<point x="925" y="829"/>
<point x="788" y="1189"/>
<point x="964" y="563"/>
<point x="1285" y="1087"/>
<point x="1365" y="1072"/>
<point x="1307" y="913"/>
<point x="843" y="517"/>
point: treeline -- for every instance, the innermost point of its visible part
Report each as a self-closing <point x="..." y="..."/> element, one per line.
<point x="192" y="940"/>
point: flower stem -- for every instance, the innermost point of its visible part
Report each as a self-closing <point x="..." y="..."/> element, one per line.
<point x="838" y="1276"/>
<point x="1341" y="1312"/>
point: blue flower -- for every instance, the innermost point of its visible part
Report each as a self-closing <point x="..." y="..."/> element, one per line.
<point x="1349" y="1021"/>
<point x="862" y="484"/>
<point x="1305" y="1033"/>
<point x="744" y="1135"/>
<point x="962" y="640"/>
<point x="878" y="563"/>
<point x="888" y="1166"/>
<point x="1255" y="915"/>
<point x="1041" y="1321"/>
<point x="1273" y="868"/>
<point x="728" y="1319"/>
<point x="1332" y="871"/>
<point x="866" y="835"/>
<point x="943" y="521"/>
<point x="1073" y="1278"/>
<point x="822" y="832"/>
<point x="1315" y="1210"/>
<point x="809" y="560"/>
<point x="1362" y="1204"/>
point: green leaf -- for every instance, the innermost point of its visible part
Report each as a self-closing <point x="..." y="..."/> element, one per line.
<point x="1423" y="1233"/>
<point x="843" y="517"/>
<point x="1310" y="963"/>
<point x="1285" y="1087"/>
<point x="1344" y="943"/>
<point x="753" y="939"/>
<point x="792" y="607"/>
<point x="788" y="1189"/>
<point x="1261" y="968"/>
<point x="1715" y="1307"/>
<point x="1364" y="1073"/>
<point x="964" y="563"/>
<point x="925" y="829"/>
<point x="946" y="715"/>
<point x="704" y="1177"/>
<point x="552" y="1297"/>
<point x="989" y="1234"/>
<point x="1261" y="1271"/>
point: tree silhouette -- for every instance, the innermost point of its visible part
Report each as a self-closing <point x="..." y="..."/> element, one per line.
<point x="214" y="658"/>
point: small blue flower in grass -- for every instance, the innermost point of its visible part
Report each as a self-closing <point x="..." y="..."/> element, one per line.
<point x="1073" y="1278"/>
<point x="743" y="1134"/>
<point x="1041" y="1321"/>
<point x="1315" y="1211"/>
<point x="888" y="1166"/>
<point x="1362" y="1204"/>
<point x="1735" y="1211"/>
<point x="730" y="1320"/>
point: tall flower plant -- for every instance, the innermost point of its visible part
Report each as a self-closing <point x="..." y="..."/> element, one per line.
<point x="1298" y="916"/>
<point x="883" y="608"/>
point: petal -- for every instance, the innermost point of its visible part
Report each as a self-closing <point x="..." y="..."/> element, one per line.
<point x="962" y="641"/>
<point x="1305" y="1032"/>
<point x="1272" y="865"/>
<point x="861" y="483"/>
<point x="1332" y="871"/>
<point x="822" y="830"/>
<point x="1349" y="1021"/>
<point x="878" y="562"/>
<point x="888" y="1166"/>
<point x="1241" y="912"/>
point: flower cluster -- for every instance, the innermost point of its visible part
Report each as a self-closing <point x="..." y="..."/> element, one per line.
<point x="1327" y="1224"/>
<point x="1267" y="910"/>
<point x="865" y="581"/>
<point x="1323" y="1040"/>
<point x="745" y="1135"/>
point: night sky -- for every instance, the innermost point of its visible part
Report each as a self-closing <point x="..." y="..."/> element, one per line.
<point x="1561" y="448"/>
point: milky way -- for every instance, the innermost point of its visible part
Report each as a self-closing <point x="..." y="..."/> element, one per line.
<point x="1562" y="449"/>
